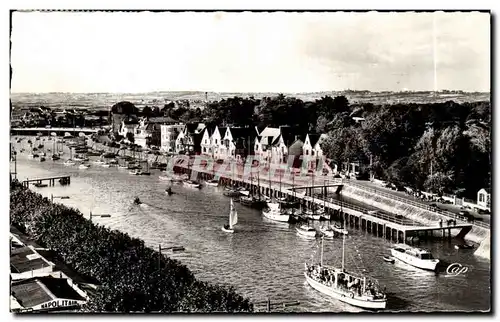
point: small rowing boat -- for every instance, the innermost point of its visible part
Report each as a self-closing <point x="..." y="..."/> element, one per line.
<point x="389" y="259"/>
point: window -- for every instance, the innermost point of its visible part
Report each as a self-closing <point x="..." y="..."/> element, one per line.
<point x="312" y="152"/>
<point x="307" y="152"/>
<point x="481" y="197"/>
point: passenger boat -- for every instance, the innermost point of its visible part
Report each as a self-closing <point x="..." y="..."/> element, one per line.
<point x="464" y="246"/>
<point x="420" y="258"/>
<point x="212" y="183"/>
<point x="191" y="184"/>
<point x="275" y="214"/>
<point x="306" y="231"/>
<point x="233" y="219"/>
<point x="83" y="166"/>
<point x="389" y="259"/>
<point x="336" y="282"/>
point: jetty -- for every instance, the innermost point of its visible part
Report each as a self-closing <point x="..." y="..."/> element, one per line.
<point x="47" y="130"/>
<point x="51" y="180"/>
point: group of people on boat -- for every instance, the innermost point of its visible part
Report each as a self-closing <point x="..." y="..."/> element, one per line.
<point x="345" y="282"/>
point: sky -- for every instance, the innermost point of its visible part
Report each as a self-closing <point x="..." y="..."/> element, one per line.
<point x="249" y="52"/>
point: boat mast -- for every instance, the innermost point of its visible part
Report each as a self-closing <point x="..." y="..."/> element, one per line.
<point x="343" y="251"/>
<point x="321" y="260"/>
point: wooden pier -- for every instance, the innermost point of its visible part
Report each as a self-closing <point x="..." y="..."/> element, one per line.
<point x="51" y="180"/>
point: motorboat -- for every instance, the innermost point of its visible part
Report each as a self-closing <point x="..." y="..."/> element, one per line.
<point x="306" y="231"/>
<point x="389" y="259"/>
<point x="231" y="192"/>
<point x="83" y="166"/>
<point x="40" y="185"/>
<point x="137" y="201"/>
<point x="169" y="191"/>
<point x="42" y="159"/>
<point x="135" y="172"/>
<point x="165" y="178"/>
<point x="339" y="229"/>
<point x="55" y="157"/>
<point x="99" y="162"/>
<point x="327" y="232"/>
<point x="275" y="215"/>
<point x="212" y="183"/>
<point x="336" y="282"/>
<point x="105" y="165"/>
<point x="420" y="258"/>
<point x="464" y="246"/>
<point x="69" y="162"/>
<point x="191" y="184"/>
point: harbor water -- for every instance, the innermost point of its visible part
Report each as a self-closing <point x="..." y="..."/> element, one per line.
<point x="262" y="259"/>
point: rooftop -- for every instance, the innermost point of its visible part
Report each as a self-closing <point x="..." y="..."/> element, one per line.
<point x="24" y="259"/>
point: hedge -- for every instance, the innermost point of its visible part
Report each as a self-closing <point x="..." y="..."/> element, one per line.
<point x="127" y="271"/>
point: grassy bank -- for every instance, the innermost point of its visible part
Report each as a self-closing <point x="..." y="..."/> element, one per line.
<point x="131" y="276"/>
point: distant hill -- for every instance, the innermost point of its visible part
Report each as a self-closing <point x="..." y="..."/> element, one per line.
<point x="106" y="100"/>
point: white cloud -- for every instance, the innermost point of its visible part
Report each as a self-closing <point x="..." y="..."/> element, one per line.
<point x="279" y="52"/>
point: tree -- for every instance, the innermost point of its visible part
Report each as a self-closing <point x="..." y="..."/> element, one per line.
<point x="147" y="111"/>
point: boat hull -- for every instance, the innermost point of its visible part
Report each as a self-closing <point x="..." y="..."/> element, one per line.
<point x="276" y="216"/>
<point x="227" y="230"/>
<point x="348" y="298"/>
<point x="308" y="234"/>
<point x="418" y="263"/>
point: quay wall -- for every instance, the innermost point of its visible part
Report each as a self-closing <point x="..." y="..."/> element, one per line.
<point x="426" y="217"/>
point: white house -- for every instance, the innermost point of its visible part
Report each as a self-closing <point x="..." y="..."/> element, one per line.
<point x="238" y="142"/>
<point x="207" y="147"/>
<point x="169" y="134"/>
<point x="141" y="134"/>
<point x="219" y="150"/>
<point x="484" y="198"/>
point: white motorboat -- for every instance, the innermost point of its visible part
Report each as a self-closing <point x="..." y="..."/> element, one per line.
<point x="233" y="219"/>
<point x="339" y="229"/>
<point x="420" y="258"/>
<point x="105" y="165"/>
<point x="165" y="178"/>
<point x="275" y="215"/>
<point x="339" y="284"/>
<point x="306" y="231"/>
<point x="191" y="184"/>
<point x="99" y="162"/>
<point x="327" y="232"/>
<point x="212" y="183"/>
<point x="83" y="166"/>
<point x="69" y="163"/>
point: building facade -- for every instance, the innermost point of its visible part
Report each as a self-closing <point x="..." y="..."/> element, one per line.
<point x="169" y="134"/>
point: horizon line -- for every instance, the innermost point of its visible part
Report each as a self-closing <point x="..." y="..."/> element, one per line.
<point x="262" y="92"/>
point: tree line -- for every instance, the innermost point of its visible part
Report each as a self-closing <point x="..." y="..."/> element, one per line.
<point x="132" y="277"/>
<point x="439" y="147"/>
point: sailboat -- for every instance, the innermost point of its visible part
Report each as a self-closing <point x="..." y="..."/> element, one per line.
<point x="233" y="219"/>
<point x="343" y="286"/>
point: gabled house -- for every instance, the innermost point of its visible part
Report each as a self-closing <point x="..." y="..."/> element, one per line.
<point x="219" y="150"/>
<point x="169" y="134"/>
<point x="238" y="142"/>
<point x="310" y="152"/>
<point x="266" y="137"/>
<point x="206" y="141"/>
<point x="189" y="139"/>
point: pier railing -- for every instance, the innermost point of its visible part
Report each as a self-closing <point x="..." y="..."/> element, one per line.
<point x="415" y="203"/>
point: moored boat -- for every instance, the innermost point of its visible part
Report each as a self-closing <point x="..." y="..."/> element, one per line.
<point x="389" y="259"/>
<point x="228" y="192"/>
<point x="42" y="159"/>
<point x="83" y="166"/>
<point x="306" y="231"/>
<point x="420" y="258"/>
<point x="69" y="162"/>
<point x="275" y="215"/>
<point x="336" y="282"/>
<point x="327" y="232"/>
<point x="337" y="228"/>
<point x="212" y="183"/>
<point x="191" y="184"/>
<point x="464" y="246"/>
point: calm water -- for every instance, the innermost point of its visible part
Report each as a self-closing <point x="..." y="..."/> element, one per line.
<point x="262" y="258"/>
